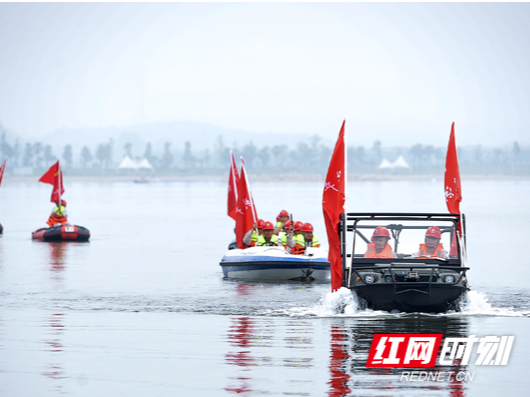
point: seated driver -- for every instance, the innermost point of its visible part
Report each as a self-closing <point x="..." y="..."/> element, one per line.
<point x="379" y="248"/>
<point x="432" y="247"/>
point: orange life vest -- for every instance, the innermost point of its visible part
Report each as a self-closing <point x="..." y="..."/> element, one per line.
<point x="386" y="253"/>
<point x="56" y="219"/>
<point x="301" y="243"/>
<point x="438" y="252"/>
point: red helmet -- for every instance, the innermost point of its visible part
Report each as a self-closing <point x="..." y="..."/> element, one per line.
<point x="298" y="225"/>
<point x="283" y="213"/>
<point x="268" y="226"/>
<point x="381" y="231"/>
<point x="288" y="224"/>
<point x="433" y="231"/>
<point x="307" y="227"/>
<point x="63" y="203"/>
<point x="261" y="222"/>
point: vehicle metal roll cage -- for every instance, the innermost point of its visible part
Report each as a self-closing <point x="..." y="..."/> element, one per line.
<point x="389" y="220"/>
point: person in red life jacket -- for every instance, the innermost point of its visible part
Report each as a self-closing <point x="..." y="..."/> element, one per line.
<point x="251" y="237"/>
<point x="58" y="215"/>
<point x="432" y="247"/>
<point x="268" y="238"/>
<point x="282" y="219"/>
<point x="305" y="239"/>
<point x="379" y="248"/>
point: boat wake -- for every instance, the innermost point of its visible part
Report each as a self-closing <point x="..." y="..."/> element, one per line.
<point x="342" y="303"/>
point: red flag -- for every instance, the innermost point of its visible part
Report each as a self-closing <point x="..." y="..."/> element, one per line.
<point x="453" y="191"/>
<point x="2" y="168"/>
<point x="233" y="182"/>
<point x="333" y="202"/>
<point x="54" y="176"/>
<point x="246" y="211"/>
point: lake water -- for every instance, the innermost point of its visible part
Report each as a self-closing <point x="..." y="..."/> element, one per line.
<point x="143" y="309"/>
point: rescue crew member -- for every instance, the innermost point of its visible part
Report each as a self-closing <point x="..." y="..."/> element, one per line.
<point x="268" y="238"/>
<point x="287" y="238"/>
<point x="305" y="239"/>
<point x="58" y="215"/>
<point x="251" y="237"/>
<point x="291" y="239"/>
<point x="432" y="247"/>
<point x="282" y="218"/>
<point x="379" y="248"/>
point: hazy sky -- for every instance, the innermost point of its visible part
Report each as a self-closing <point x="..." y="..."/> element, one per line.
<point x="400" y="72"/>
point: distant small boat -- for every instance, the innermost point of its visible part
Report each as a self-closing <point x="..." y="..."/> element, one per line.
<point x="1" y="229"/>
<point x="276" y="264"/>
<point x="145" y="180"/>
<point x="65" y="232"/>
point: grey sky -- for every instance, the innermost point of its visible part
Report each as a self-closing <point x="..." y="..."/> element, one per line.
<point x="401" y="72"/>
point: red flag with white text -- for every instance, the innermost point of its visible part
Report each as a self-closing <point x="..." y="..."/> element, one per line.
<point x="54" y="176"/>
<point x="246" y="211"/>
<point x="453" y="190"/>
<point x="333" y="201"/>
<point x="233" y="182"/>
<point x="2" y="168"/>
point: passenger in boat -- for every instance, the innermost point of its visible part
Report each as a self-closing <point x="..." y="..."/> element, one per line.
<point x="58" y="215"/>
<point x="268" y="238"/>
<point x="432" y="247"/>
<point x="305" y="239"/>
<point x="251" y="237"/>
<point x="379" y="248"/>
<point x="282" y="219"/>
<point x="287" y="238"/>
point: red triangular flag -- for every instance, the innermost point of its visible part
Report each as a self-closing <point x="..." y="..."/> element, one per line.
<point x="2" y="168"/>
<point x="233" y="182"/>
<point x="453" y="191"/>
<point x="333" y="201"/>
<point x="54" y="176"/>
<point x="246" y="214"/>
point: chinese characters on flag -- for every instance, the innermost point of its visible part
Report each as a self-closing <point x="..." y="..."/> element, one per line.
<point x="333" y="201"/>
<point x="453" y="191"/>
<point x="246" y="214"/>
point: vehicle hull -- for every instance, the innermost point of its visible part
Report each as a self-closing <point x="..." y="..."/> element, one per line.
<point x="275" y="264"/>
<point x="411" y="297"/>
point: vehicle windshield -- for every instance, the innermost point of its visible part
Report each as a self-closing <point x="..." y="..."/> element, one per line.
<point x="411" y="239"/>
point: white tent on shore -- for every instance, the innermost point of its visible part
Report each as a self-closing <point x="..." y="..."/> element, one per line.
<point x="399" y="163"/>
<point x="129" y="164"/>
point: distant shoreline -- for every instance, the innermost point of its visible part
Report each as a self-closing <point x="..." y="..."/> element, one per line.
<point x="264" y="178"/>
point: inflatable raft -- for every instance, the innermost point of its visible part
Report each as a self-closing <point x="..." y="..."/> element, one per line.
<point x="62" y="233"/>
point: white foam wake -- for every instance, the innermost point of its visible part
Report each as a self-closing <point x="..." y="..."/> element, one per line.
<point x="476" y="303"/>
<point x="344" y="303"/>
<point x="341" y="303"/>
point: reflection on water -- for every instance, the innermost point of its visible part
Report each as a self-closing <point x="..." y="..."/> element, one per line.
<point x="54" y="346"/>
<point x="58" y="252"/>
<point x="337" y="363"/>
<point x="239" y="334"/>
<point x="284" y="356"/>
<point x="358" y="336"/>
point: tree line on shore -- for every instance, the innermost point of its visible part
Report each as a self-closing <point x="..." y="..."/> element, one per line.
<point x="308" y="156"/>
